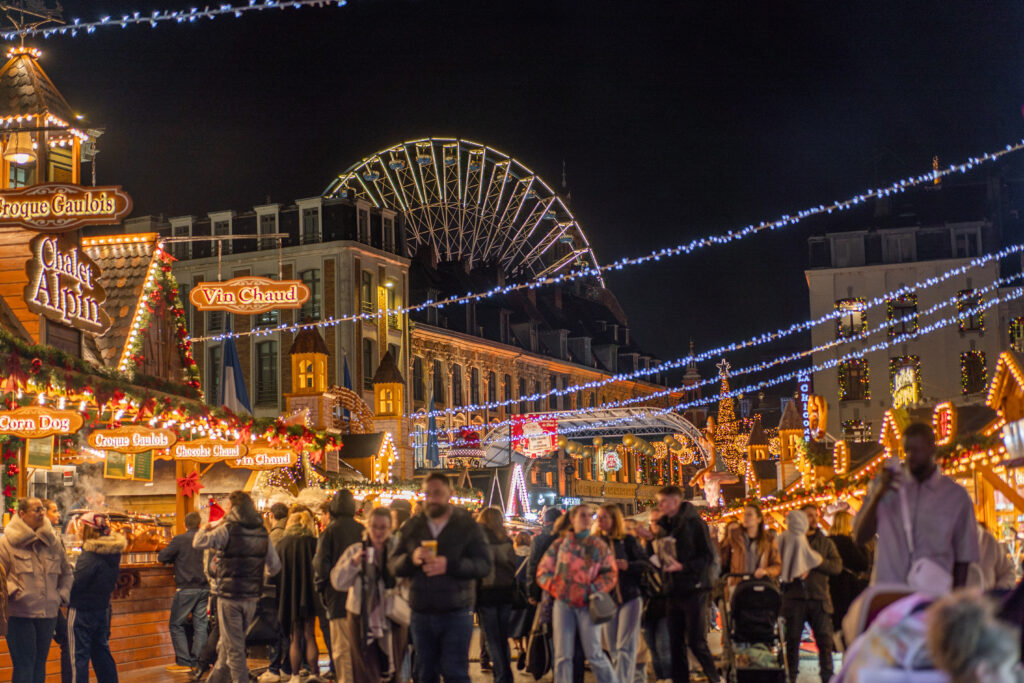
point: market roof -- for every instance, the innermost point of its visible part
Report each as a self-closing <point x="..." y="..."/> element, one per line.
<point x="355" y="446"/>
<point x="387" y="372"/>
<point x="765" y="469"/>
<point x="758" y="437"/>
<point x="791" y="417"/>
<point x="308" y="340"/>
<point x="26" y="90"/>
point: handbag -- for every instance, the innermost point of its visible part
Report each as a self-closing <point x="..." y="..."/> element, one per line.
<point x="396" y="604"/>
<point x="602" y="607"/>
<point x="925" y="575"/>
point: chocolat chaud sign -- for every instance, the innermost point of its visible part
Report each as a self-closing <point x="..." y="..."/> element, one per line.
<point x="249" y="295"/>
<point x="211" y="450"/>
<point x="60" y="207"/>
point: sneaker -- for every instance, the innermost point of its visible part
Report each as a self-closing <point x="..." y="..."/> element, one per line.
<point x="268" y="677"/>
<point x="294" y="679"/>
<point x="178" y="668"/>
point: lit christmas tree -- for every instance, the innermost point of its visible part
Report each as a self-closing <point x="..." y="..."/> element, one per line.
<point x="728" y="440"/>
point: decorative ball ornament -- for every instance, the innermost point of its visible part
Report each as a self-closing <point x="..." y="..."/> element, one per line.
<point x="598" y="441"/>
<point x="562" y="441"/>
<point x="572" y="448"/>
<point x="628" y="440"/>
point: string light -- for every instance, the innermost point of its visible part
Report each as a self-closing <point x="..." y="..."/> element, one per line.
<point x="667" y="252"/>
<point x="517" y="493"/>
<point x="156" y="17"/>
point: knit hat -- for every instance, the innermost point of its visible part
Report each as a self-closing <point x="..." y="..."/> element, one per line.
<point x="216" y="511"/>
<point x="96" y="520"/>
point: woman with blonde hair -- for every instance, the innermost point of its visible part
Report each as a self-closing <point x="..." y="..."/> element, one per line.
<point x="853" y="579"/>
<point x="297" y="600"/>
<point x="496" y="592"/>
<point x="967" y="642"/>
<point x="622" y="633"/>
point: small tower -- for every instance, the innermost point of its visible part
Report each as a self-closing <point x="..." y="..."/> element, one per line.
<point x="309" y="377"/>
<point x="791" y="432"/>
<point x="757" y="445"/>
<point x="389" y="412"/>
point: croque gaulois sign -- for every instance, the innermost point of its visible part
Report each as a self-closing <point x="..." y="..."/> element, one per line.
<point x="63" y="285"/>
<point x="59" y="207"/>
<point x="249" y="295"/>
<point x="132" y="439"/>
<point x="36" y="422"/>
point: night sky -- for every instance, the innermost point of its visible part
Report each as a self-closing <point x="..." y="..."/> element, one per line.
<point x="674" y="119"/>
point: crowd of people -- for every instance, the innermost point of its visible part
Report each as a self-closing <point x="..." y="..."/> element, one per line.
<point x="395" y="593"/>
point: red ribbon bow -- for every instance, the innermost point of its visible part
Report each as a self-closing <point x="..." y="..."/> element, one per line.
<point x="189" y="485"/>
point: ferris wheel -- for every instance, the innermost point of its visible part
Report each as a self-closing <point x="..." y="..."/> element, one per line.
<point x="470" y="201"/>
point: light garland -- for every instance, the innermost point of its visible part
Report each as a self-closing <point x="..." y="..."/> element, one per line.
<point x="161" y="16"/>
<point x="908" y="299"/>
<point x="851" y="307"/>
<point x="517" y="493"/>
<point x="967" y="298"/>
<point x="967" y="358"/>
<point x="898" y="362"/>
<point x="864" y="380"/>
<point x="666" y="252"/>
<point x="860" y="428"/>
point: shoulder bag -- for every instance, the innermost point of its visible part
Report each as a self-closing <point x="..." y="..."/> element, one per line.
<point x="925" y="575"/>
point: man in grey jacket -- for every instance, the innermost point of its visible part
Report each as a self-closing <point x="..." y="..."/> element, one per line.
<point x="39" y="579"/>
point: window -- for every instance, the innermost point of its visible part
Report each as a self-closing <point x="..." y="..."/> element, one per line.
<point x="965" y="244"/>
<point x="905" y="381"/>
<point x="474" y="386"/>
<point x="307" y="374"/>
<point x="593" y="399"/>
<point x="522" y="392"/>
<point x="213" y="371"/>
<point x="392" y="306"/>
<point x="538" y="404"/>
<point x="456" y="385"/>
<point x="268" y="318"/>
<point x="311" y="309"/>
<point x="973" y="373"/>
<point x="968" y="306"/>
<point x="266" y="373"/>
<point x="181" y="250"/>
<point x="389" y="235"/>
<point x="507" y="387"/>
<point x="851" y="320"/>
<point x="220" y="229"/>
<point x="310" y="226"/>
<point x="369" y="366"/>
<point x="215" y="321"/>
<point x="854" y="384"/>
<point x="1017" y="334"/>
<point x="387" y="402"/>
<point x="902" y="315"/>
<point x="19" y="176"/>
<point x="366" y="292"/>
<point x="417" y="379"/>
<point x="364" y="227"/>
<point x="268" y="226"/>
<point x="492" y="387"/>
<point x="437" y="387"/>
<point x="900" y="248"/>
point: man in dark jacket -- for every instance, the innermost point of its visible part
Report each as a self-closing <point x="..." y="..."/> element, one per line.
<point x="688" y="580"/>
<point x="540" y="544"/>
<point x="243" y="554"/>
<point x="191" y="595"/>
<point x="444" y="551"/>
<point x="342" y="532"/>
<point x="810" y="601"/>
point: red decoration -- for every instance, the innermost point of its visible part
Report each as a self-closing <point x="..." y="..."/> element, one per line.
<point x="9" y="491"/>
<point x="16" y="376"/>
<point x="189" y="485"/>
<point x="12" y="470"/>
<point x="36" y="366"/>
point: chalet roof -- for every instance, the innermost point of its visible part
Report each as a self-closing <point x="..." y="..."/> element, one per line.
<point x="308" y="340"/>
<point x="124" y="267"/>
<point x="26" y="90"/>
<point x="971" y="419"/>
<point x="1009" y="368"/>
<point x="387" y="372"/>
<point x="758" y="437"/>
<point x="863" y="452"/>
<point x="791" y="417"/>
<point x="356" y="446"/>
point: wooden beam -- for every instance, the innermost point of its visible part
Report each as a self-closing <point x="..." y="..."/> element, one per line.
<point x="1001" y="486"/>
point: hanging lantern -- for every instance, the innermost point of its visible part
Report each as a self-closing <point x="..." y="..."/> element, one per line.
<point x="627" y="440"/>
<point x="19" y="149"/>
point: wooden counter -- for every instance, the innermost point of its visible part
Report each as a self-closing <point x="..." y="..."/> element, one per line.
<point x="138" y="631"/>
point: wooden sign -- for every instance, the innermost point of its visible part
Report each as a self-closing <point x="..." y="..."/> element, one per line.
<point x="115" y="466"/>
<point x="132" y="439"/>
<point x="208" y="450"/>
<point x="60" y="207"/>
<point x="143" y="466"/>
<point x="63" y="285"/>
<point x="249" y="295"/>
<point x="264" y="458"/>
<point x="39" y="453"/>
<point x="36" y="422"/>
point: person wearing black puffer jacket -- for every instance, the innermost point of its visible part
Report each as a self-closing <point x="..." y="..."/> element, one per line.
<point x="496" y="593"/>
<point x="444" y="552"/>
<point x="89" y="607"/>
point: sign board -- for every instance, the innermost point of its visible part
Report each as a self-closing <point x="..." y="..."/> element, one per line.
<point x="132" y="439"/>
<point x="803" y="381"/>
<point x="115" y="466"/>
<point x="60" y="207"/>
<point x="39" y="453"/>
<point x="264" y="458"/>
<point x="143" y="466"/>
<point x="534" y="435"/>
<point x="610" y="460"/>
<point x="36" y="422"/>
<point x="249" y="295"/>
<point x="208" y="450"/>
<point x="332" y="461"/>
<point x="63" y="285"/>
<point x="904" y="387"/>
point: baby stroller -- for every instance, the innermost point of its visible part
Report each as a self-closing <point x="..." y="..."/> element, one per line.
<point x="753" y="634"/>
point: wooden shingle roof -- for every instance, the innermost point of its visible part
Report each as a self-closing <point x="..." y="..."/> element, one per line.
<point x="26" y="90"/>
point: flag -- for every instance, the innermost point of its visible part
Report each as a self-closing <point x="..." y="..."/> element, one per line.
<point x="232" y="384"/>
<point x="433" y="455"/>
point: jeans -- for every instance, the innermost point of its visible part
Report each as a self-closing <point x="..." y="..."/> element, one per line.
<point x="89" y="639"/>
<point x="797" y="611"/>
<point x="495" y="621"/>
<point x="233" y="618"/>
<point x="188" y="601"/>
<point x="622" y="634"/>
<point x="660" y="646"/>
<point x="441" y="641"/>
<point x="687" y="628"/>
<point x="566" y="622"/>
<point x="28" y="641"/>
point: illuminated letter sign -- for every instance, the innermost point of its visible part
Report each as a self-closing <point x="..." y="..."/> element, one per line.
<point x="209" y="450"/>
<point x="63" y="285"/>
<point x="36" y="422"/>
<point x="249" y="295"/>
<point x="264" y="458"/>
<point x="803" y="380"/>
<point x="60" y="207"/>
<point x="904" y="387"/>
<point x="132" y="439"/>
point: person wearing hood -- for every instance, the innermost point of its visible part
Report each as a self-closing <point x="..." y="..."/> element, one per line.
<point x="243" y="554"/>
<point x="38" y="583"/>
<point x="89" y="606"/>
<point x="343" y="532"/>
<point x="297" y="599"/>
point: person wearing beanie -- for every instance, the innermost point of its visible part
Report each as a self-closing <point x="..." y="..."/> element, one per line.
<point x="342" y="532"/>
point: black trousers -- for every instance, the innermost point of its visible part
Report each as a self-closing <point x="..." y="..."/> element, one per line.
<point x="796" y="612"/>
<point x="687" y="627"/>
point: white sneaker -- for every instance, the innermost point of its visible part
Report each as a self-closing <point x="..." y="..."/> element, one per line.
<point x="268" y="677"/>
<point x="295" y="679"/>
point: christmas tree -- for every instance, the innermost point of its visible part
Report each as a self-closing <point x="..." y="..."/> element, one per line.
<point x="727" y="433"/>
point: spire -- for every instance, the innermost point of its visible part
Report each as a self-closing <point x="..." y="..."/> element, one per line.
<point x="692" y="375"/>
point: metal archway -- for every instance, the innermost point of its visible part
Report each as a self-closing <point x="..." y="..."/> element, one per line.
<point x="471" y="201"/>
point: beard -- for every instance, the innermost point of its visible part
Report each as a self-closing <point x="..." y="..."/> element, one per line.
<point x="435" y="510"/>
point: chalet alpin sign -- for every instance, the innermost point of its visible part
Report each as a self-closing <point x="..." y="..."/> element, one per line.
<point x="132" y="439"/>
<point x="60" y="207"/>
<point x="249" y="295"/>
<point x="63" y="285"/>
<point x="37" y="422"/>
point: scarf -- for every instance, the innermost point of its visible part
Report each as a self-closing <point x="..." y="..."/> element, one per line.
<point x="797" y="556"/>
